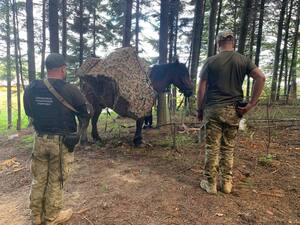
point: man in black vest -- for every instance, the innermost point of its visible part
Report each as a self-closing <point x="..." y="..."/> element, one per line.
<point x="53" y="122"/>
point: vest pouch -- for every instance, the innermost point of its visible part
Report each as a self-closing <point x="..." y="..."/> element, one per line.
<point x="70" y="141"/>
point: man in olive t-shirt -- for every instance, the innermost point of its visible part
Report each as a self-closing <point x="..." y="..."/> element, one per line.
<point x="220" y="89"/>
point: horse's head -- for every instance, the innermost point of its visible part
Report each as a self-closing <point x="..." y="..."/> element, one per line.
<point x="180" y="77"/>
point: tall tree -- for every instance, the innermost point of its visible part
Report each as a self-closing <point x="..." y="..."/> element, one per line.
<point x="30" y="40"/>
<point x="277" y="50"/>
<point x="81" y="40"/>
<point x="252" y="39"/>
<point x="292" y="92"/>
<point x="127" y="24"/>
<point x="196" y="41"/>
<point x="17" y="64"/>
<point x="284" y="50"/>
<point x="218" y="22"/>
<point x="8" y="65"/>
<point x="212" y="27"/>
<point x="244" y="25"/>
<point x="43" y="50"/>
<point x="137" y="25"/>
<point x="53" y="25"/>
<point x="259" y="32"/>
<point x="64" y="28"/>
<point x="163" y="54"/>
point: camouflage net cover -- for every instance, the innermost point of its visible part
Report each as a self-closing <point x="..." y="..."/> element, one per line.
<point x="135" y="94"/>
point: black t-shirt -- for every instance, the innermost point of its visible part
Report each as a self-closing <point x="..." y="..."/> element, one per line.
<point x="225" y="74"/>
<point x="49" y="115"/>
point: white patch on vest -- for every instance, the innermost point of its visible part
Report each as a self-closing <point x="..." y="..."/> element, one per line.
<point x="43" y="101"/>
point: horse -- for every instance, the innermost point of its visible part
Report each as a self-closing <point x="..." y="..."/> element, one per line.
<point x="161" y="77"/>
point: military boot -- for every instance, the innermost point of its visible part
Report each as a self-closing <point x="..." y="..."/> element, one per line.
<point x="227" y="186"/>
<point x="62" y="217"/>
<point x="209" y="187"/>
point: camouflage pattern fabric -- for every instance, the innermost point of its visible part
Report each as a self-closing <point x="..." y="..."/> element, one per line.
<point x="221" y="129"/>
<point x="130" y="73"/>
<point x="46" y="193"/>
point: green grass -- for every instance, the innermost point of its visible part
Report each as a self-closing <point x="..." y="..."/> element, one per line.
<point x="3" y="112"/>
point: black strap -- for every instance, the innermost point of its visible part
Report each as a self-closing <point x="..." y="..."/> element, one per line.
<point x="58" y="96"/>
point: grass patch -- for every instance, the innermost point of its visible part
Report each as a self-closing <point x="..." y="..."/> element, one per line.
<point x="26" y="142"/>
<point x="3" y="112"/>
<point x="181" y="140"/>
<point x="266" y="160"/>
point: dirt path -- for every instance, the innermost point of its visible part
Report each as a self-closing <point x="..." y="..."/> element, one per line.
<point x="117" y="185"/>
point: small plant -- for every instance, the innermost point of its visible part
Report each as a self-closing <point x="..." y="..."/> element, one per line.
<point x="26" y="142"/>
<point x="266" y="160"/>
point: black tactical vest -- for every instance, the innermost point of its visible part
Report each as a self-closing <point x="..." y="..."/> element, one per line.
<point x="49" y="115"/>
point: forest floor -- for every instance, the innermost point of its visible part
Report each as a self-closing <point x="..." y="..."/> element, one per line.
<point x="114" y="183"/>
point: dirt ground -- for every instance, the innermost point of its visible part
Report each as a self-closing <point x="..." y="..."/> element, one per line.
<point x="114" y="183"/>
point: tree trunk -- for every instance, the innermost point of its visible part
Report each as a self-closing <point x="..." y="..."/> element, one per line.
<point x="94" y="31"/>
<point x="163" y="54"/>
<point x="212" y="27"/>
<point x="17" y="64"/>
<point x="137" y="25"/>
<point x="53" y="25"/>
<point x="284" y="51"/>
<point x="254" y="15"/>
<point x="64" y="28"/>
<point x="235" y="24"/>
<point x="292" y="92"/>
<point x="43" y="40"/>
<point x="30" y="40"/>
<point x="259" y="33"/>
<point x="81" y="44"/>
<point x="127" y="24"/>
<point x="218" y="23"/>
<point x="277" y="51"/>
<point x="196" y="45"/>
<point x="244" y="25"/>
<point x="8" y="66"/>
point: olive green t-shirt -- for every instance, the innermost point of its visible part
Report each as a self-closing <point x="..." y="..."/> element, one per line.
<point x="225" y="75"/>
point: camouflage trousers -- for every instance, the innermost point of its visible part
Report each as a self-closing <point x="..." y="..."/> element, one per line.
<point x="221" y="130"/>
<point x="51" y="163"/>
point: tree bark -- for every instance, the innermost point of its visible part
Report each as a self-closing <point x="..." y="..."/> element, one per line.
<point x="8" y="66"/>
<point x="81" y="44"/>
<point x="53" y="25"/>
<point x="43" y="40"/>
<point x="252" y="39"/>
<point x="259" y="33"/>
<point x="17" y="65"/>
<point x="212" y="27"/>
<point x="127" y="24"/>
<point x="163" y="54"/>
<point x="64" y="28"/>
<point x="244" y="25"/>
<point x="196" y="45"/>
<point x="292" y="91"/>
<point x="30" y="40"/>
<point x="218" y="23"/>
<point x="137" y="25"/>
<point x="284" y="51"/>
<point x="277" y="51"/>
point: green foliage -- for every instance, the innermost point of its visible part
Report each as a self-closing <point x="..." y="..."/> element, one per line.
<point x="266" y="160"/>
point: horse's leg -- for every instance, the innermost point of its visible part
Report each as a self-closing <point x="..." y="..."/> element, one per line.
<point x="138" y="132"/>
<point x="83" y="125"/>
<point x="97" y="112"/>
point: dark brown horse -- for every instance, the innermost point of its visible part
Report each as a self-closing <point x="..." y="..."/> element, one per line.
<point x="161" y="77"/>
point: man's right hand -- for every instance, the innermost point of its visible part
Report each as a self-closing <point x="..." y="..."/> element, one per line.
<point x="243" y="110"/>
